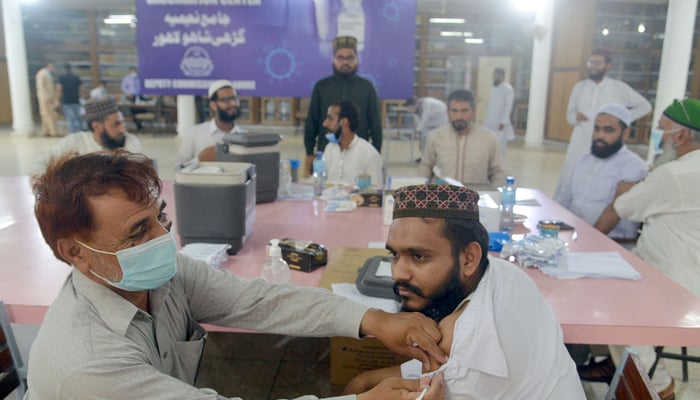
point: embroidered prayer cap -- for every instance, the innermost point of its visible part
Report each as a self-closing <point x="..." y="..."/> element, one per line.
<point x="98" y="110"/>
<point x="436" y="201"/>
<point x="342" y="42"/>
<point x="617" y="110"/>
<point x="685" y="112"/>
<point x="219" y="84"/>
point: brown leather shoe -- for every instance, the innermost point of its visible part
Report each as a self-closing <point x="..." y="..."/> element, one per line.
<point x="667" y="392"/>
<point x="597" y="371"/>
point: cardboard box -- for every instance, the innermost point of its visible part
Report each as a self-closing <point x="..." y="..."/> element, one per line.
<point x="349" y="356"/>
<point x="302" y="255"/>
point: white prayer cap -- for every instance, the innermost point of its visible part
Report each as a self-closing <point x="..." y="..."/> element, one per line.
<point x="617" y="110"/>
<point x="216" y="85"/>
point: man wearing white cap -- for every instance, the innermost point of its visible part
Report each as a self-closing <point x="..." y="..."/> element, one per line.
<point x="199" y="142"/>
<point x="592" y="183"/>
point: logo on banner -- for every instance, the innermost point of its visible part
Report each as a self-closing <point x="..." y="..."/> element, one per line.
<point x="196" y="62"/>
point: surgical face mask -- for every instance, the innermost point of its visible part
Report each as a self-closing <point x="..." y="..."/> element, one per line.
<point x="655" y="139"/>
<point x="146" y="266"/>
<point x="334" y="137"/>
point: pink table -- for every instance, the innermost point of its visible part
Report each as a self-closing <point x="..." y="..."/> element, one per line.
<point x="653" y="310"/>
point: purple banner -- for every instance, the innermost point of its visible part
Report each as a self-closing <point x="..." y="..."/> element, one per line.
<point x="271" y="48"/>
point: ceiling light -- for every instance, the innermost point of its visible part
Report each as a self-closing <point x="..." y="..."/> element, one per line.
<point x="456" y="34"/>
<point x="606" y="31"/>
<point x="527" y="6"/>
<point x="446" y="20"/>
<point x="474" y="40"/>
<point x="120" y="19"/>
<point x="641" y="28"/>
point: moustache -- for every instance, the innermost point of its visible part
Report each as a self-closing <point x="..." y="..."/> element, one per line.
<point x="600" y="143"/>
<point x="408" y="287"/>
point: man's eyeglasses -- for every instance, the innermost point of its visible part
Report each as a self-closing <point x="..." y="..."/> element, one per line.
<point x="230" y="99"/>
<point x="345" y="58"/>
<point x="595" y="63"/>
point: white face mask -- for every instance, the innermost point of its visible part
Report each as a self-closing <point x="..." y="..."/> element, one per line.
<point x="146" y="266"/>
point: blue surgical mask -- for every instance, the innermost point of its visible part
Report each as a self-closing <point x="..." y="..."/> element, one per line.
<point x="334" y="137"/>
<point x="146" y="266"/>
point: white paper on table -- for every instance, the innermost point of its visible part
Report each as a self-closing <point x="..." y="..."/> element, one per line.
<point x="607" y="264"/>
<point x="349" y="290"/>
<point x="521" y="198"/>
<point x="486" y="200"/>
<point x="490" y="218"/>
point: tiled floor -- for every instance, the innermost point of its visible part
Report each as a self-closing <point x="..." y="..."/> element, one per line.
<point x="256" y="366"/>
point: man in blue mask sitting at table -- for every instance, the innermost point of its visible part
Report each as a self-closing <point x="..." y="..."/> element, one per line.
<point x="348" y="155"/>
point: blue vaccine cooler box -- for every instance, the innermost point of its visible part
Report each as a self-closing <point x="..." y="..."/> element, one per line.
<point x="215" y="203"/>
<point x="261" y="149"/>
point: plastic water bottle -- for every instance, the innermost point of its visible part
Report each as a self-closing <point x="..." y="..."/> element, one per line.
<point x="285" y="182"/>
<point x="319" y="173"/>
<point x="275" y="269"/>
<point x="507" y="203"/>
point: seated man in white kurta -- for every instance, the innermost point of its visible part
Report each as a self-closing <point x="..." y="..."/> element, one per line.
<point x="348" y="155"/>
<point x="506" y="342"/>
<point x="596" y="174"/>
<point x="107" y="132"/>
<point x="199" y="141"/>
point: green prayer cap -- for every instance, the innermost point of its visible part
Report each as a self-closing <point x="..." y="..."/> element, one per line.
<point x="685" y="112"/>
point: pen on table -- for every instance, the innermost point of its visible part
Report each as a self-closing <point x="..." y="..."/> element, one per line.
<point x="422" y="393"/>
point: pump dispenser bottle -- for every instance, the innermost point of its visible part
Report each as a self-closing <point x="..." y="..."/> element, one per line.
<point x="275" y="269"/>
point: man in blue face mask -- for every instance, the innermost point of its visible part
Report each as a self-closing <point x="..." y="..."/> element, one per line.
<point x="127" y="320"/>
<point x="348" y="155"/>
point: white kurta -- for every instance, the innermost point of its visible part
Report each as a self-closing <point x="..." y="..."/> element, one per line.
<point x="359" y="158"/>
<point x="498" y="112"/>
<point x="592" y="187"/>
<point x="84" y="142"/>
<point x="508" y="344"/>
<point x="587" y="98"/>
<point x="668" y="202"/>
<point x="198" y="138"/>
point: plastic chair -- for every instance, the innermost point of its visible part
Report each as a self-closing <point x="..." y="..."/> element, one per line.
<point x="630" y="381"/>
<point x="13" y="373"/>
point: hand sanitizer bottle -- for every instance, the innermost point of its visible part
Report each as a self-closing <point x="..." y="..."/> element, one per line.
<point x="275" y="269"/>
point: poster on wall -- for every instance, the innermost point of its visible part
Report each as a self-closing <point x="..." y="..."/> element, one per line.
<point x="271" y="48"/>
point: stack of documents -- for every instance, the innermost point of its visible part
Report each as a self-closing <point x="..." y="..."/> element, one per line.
<point x="594" y="265"/>
<point x="214" y="254"/>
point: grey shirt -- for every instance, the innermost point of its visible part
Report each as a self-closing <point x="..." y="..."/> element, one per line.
<point x="95" y="344"/>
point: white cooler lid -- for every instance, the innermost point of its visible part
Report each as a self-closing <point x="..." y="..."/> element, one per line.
<point x="214" y="173"/>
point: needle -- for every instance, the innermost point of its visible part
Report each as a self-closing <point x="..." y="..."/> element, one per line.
<point x="422" y="393"/>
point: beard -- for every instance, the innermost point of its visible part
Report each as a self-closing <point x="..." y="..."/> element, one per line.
<point x="448" y="297"/>
<point x="605" y="150"/>
<point x="346" y="72"/>
<point x="110" y="143"/>
<point x="460" y="124"/>
<point x="227" y="117"/>
<point x="596" y="75"/>
<point x="496" y="82"/>
<point x="669" y="153"/>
